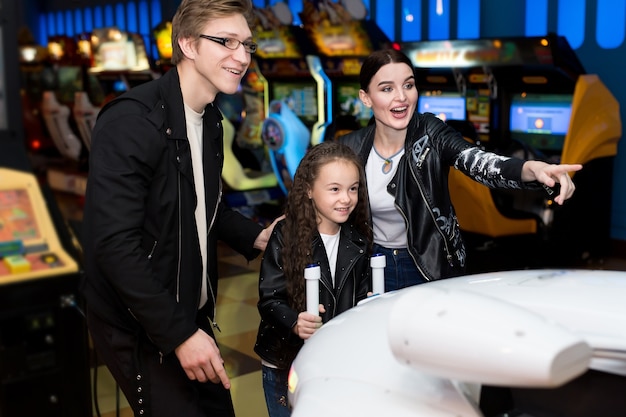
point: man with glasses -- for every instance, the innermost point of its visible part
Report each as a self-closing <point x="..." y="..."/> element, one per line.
<point x="153" y="215"/>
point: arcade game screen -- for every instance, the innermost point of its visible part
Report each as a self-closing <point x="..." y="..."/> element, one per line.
<point x="118" y="50"/>
<point x="29" y="244"/>
<point x="301" y="97"/>
<point x="350" y="104"/>
<point x="17" y="219"/>
<point x="540" y="120"/>
<point x="445" y="107"/>
<point x="22" y="245"/>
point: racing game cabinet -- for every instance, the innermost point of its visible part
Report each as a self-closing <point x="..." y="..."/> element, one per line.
<point x="577" y="230"/>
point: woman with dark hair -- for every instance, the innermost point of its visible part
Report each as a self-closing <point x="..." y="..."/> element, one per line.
<point x="326" y="223"/>
<point x="407" y="156"/>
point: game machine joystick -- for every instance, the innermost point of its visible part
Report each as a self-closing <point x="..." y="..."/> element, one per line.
<point x="287" y="138"/>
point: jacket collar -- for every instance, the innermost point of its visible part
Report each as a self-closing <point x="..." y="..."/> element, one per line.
<point x="173" y="108"/>
<point x="353" y="246"/>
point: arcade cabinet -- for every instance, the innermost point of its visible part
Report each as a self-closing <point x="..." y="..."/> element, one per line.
<point x="71" y="178"/>
<point x="43" y="338"/>
<point x="343" y="38"/>
<point x="49" y="86"/>
<point x="44" y="367"/>
<point x="33" y="62"/>
<point x="49" y="78"/>
<point x="294" y="98"/>
<point x="247" y="183"/>
<point x="120" y="60"/>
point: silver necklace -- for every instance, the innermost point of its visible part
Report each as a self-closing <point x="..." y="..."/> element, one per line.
<point x="387" y="162"/>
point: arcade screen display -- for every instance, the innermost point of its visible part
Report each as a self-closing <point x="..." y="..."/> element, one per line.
<point x="17" y="218"/>
<point x="350" y="104"/>
<point x="540" y="120"/>
<point x="118" y="50"/>
<point x="443" y="106"/>
<point x="301" y="97"/>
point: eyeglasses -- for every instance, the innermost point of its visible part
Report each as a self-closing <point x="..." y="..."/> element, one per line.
<point x="232" y="43"/>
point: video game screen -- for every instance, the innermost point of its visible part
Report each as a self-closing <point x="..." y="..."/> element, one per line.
<point x="540" y="120"/>
<point x="118" y="50"/>
<point x="301" y="97"/>
<point x="17" y="217"/>
<point x="350" y="104"/>
<point x="443" y="106"/>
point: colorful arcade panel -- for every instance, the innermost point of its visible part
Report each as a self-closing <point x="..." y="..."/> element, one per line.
<point x="343" y="38"/>
<point x="29" y="245"/>
<point x="293" y="98"/>
<point x="43" y="337"/>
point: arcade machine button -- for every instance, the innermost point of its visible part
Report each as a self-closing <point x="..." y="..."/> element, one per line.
<point x="50" y="259"/>
<point x="17" y="264"/>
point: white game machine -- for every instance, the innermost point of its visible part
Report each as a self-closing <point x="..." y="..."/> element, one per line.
<point x="540" y="343"/>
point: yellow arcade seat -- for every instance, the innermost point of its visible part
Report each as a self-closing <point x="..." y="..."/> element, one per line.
<point x="474" y="204"/>
<point x="234" y="174"/>
<point x="595" y="125"/>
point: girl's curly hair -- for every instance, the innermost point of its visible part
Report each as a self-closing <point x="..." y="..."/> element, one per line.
<point x="301" y="220"/>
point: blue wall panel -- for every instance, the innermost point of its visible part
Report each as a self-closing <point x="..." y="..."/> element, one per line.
<point x="502" y="18"/>
<point x="386" y="18"/>
<point x="411" y="21"/>
<point x="571" y="21"/>
<point x="468" y="19"/>
<point x="438" y="19"/>
<point x="610" y="22"/>
<point x="536" y="18"/>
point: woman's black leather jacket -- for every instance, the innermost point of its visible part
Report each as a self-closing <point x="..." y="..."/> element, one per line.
<point x="420" y="188"/>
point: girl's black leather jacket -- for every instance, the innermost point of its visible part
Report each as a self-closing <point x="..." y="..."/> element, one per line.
<point x="276" y="341"/>
<point x="420" y="188"/>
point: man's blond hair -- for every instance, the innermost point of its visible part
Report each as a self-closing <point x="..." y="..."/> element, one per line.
<point x="192" y="16"/>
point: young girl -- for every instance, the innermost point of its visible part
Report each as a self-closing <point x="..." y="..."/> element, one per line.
<point x="327" y="223"/>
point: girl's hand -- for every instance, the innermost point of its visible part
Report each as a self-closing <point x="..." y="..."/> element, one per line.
<point x="308" y="324"/>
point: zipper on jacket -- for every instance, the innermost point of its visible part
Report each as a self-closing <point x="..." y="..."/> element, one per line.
<point x="332" y="295"/>
<point x="213" y="319"/>
<point x="154" y="245"/>
<point x="430" y="212"/>
<point x="422" y="157"/>
<point x="180" y="232"/>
